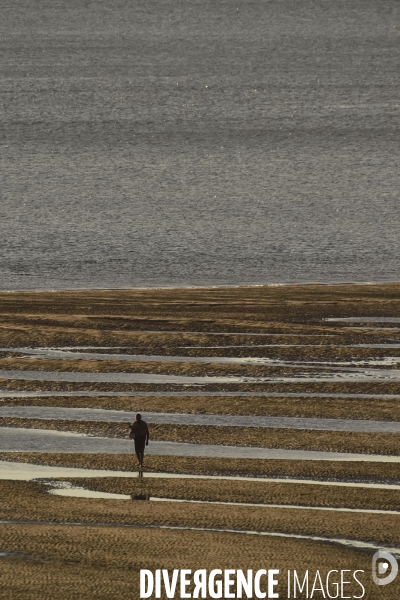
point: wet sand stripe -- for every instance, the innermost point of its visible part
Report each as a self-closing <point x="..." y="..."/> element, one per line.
<point x="349" y="543"/>
<point x="120" y="416"/>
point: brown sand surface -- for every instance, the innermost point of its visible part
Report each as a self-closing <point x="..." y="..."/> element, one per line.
<point x="352" y="471"/>
<point x="313" y="301"/>
<point x="42" y="333"/>
<point x="337" y="387"/>
<point x="180" y="341"/>
<point x="164" y="367"/>
<point x="107" y="317"/>
<point x="30" y="501"/>
<point x="104" y="563"/>
<point x="336" y="441"/>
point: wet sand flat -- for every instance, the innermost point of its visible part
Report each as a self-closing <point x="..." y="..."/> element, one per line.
<point x="14" y="439"/>
<point x="62" y="559"/>
<point x="373" y="408"/>
<point x="185" y="374"/>
<point x="31" y="501"/>
<point x="299" y="350"/>
<point x="145" y="317"/>
<point x="291" y="439"/>
<point x="319" y="470"/>
<point x="315" y="387"/>
<point x="165" y="309"/>
<point x="167" y="418"/>
<point x="248" y="491"/>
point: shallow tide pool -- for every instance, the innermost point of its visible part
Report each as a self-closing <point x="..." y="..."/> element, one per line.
<point x="42" y="440"/>
<point x="118" y="416"/>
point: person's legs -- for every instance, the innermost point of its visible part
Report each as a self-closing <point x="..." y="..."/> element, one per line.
<point x="139" y="448"/>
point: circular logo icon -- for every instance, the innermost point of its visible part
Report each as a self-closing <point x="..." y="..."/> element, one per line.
<point x="380" y="568"/>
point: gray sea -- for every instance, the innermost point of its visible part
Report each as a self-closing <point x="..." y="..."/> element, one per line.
<point x="170" y="142"/>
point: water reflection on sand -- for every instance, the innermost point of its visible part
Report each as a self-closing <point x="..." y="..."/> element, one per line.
<point x="18" y="471"/>
<point x="13" y="439"/>
<point x="343" y="374"/>
<point x="118" y="416"/>
<point x="69" y="490"/>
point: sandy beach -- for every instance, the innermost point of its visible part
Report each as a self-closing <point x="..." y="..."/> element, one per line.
<point x="292" y="332"/>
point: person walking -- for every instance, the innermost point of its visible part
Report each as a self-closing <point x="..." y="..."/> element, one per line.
<point x="140" y="435"/>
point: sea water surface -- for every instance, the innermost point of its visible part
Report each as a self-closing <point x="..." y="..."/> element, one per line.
<point x="186" y="143"/>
